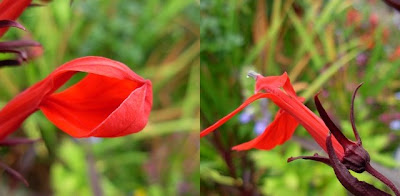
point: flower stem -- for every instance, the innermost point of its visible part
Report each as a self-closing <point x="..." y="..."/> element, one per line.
<point x="382" y="178"/>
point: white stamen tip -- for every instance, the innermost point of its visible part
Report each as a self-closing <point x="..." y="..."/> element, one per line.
<point x="252" y="74"/>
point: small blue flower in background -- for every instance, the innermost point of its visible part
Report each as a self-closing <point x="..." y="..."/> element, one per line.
<point x="246" y="116"/>
<point x="265" y="119"/>
<point x="395" y="125"/>
<point x="94" y="140"/>
<point x="397" y="95"/>
<point x="260" y="126"/>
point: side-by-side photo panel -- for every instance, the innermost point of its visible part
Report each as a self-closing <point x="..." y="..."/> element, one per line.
<point x="300" y="97"/>
<point x="99" y="98"/>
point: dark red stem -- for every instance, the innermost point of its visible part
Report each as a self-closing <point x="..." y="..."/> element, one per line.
<point x="329" y="123"/>
<point x="382" y="178"/>
<point x="353" y="125"/>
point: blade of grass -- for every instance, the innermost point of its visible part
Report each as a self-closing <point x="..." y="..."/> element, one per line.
<point x="298" y="68"/>
<point x="326" y="75"/>
<point x="307" y="40"/>
<point x="272" y="33"/>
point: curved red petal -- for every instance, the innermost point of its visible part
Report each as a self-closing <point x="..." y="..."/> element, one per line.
<point x="82" y="108"/>
<point x="287" y="100"/>
<point x="110" y="101"/>
<point x="23" y="105"/>
<point x="230" y="115"/>
<point x="129" y="121"/>
<point x="304" y="116"/>
<point x="279" y="131"/>
<point x="11" y="10"/>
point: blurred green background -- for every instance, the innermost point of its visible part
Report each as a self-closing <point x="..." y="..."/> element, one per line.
<point x="157" y="39"/>
<point x="327" y="46"/>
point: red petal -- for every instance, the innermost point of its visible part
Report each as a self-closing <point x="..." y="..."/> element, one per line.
<point x="281" y="129"/>
<point x="230" y="115"/>
<point x="270" y="82"/>
<point x="110" y="101"/>
<point x="287" y="100"/>
<point x="19" y="108"/>
<point x="278" y="132"/>
<point x="11" y="10"/>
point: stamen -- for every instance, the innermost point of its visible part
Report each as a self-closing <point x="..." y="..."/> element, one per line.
<point x="253" y="74"/>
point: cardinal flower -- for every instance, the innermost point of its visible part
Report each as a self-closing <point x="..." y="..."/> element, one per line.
<point x="343" y="154"/>
<point x="291" y="113"/>
<point x="110" y="101"/>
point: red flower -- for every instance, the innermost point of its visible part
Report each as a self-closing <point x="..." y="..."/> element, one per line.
<point x="110" y="101"/>
<point x="11" y="10"/>
<point x="291" y="113"/>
